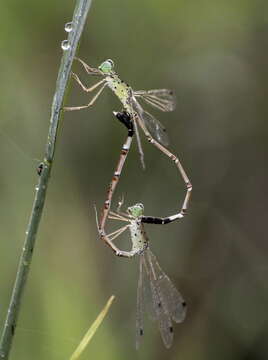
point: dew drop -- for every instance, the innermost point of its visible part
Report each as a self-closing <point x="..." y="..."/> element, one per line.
<point x="68" y="27"/>
<point x="37" y="188"/>
<point x="65" y="45"/>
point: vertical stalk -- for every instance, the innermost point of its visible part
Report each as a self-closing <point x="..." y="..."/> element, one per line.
<point x="78" y="22"/>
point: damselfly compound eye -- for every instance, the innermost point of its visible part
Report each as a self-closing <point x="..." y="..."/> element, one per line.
<point x="111" y="62"/>
<point x="140" y="206"/>
<point x="107" y="66"/>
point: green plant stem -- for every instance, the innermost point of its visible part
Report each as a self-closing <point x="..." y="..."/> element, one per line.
<point x="79" y="18"/>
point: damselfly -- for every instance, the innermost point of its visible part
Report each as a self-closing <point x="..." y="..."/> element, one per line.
<point x="167" y="303"/>
<point x="161" y="99"/>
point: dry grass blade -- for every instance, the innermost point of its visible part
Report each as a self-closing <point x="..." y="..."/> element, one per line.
<point x="91" y="331"/>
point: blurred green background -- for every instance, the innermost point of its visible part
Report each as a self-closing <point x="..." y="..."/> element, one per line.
<point x="214" y="55"/>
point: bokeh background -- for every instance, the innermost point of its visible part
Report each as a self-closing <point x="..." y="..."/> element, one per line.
<point x="214" y="54"/>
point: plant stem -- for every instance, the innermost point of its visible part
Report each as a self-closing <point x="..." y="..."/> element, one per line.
<point x="78" y="22"/>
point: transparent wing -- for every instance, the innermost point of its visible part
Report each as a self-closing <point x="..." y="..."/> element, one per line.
<point x="147" y="292"/>
<point x="154" y="127"/>
<point x="162" y="99"/>
<point x="140" y="303"/>
<point x="161" y="312"/>
<point x="172" y="300"/>
<point x="140" y="150"/>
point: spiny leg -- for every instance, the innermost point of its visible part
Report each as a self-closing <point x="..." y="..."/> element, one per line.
<point x="87" y="89"/>
<point x="122" y="214"/>
<point x="119" y="216"/>
<point x="116" y="217"/>
<point x="109" y="242"/>
<point x="89" y="69"/>
<point x="155" y="220"/>
<point x="112" y="236"/>
<point x="89" y="104"/>
<point x="115" y="249"/>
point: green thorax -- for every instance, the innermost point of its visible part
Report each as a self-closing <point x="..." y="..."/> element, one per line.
<point x="121" y="90"/>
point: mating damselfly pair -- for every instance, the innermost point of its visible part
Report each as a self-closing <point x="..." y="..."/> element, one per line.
<point x="167" y="302"/>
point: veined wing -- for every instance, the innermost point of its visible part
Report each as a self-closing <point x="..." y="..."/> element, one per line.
<point x="154" y="127"/>
<point x="144" y="300"/>
<point x="162" y="99"/>
<point x="172" y="300"/>
<point x="161" y="312"/>
<point x="140" y="303"/>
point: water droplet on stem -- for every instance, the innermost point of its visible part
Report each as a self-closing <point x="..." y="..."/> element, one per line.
<point x="68" y="27"/>
<point x="65" y="45"/>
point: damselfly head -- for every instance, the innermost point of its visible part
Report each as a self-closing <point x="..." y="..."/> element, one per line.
<point x="136" y="210"/>
<point x="107" y="66"/>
